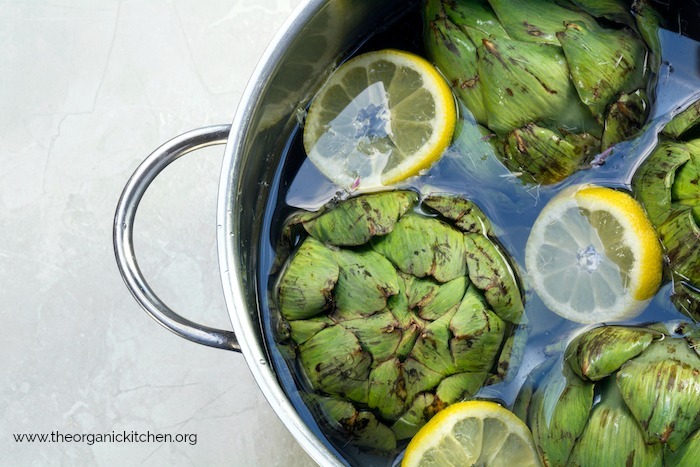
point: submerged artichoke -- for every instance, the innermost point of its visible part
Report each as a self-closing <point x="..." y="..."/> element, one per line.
<point x="668" y="185"/>
<point x="394" y="313"/>
<point x="619" y="396"/>
<point x="556" y="82"/>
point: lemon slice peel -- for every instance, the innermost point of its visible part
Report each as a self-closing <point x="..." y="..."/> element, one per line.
<point x="593" y="256"/>
<point x="473" y="433"/>
<point x="380" y="118"/>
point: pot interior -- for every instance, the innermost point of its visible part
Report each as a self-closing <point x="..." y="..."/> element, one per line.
<point x="256" y="174"/>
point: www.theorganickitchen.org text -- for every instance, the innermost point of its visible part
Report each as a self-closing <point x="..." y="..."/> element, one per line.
<point x="124" y="436"/>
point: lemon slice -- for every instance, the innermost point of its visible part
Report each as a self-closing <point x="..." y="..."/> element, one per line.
<point x="470" y="433"/>
<point x="380" y="118"/>
<point x="593" y="256"/>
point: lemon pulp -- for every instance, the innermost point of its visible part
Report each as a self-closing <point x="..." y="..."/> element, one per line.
<point x="472" y="433"/>
<point x="593" y="256"/>
<point x="380" y="118"/>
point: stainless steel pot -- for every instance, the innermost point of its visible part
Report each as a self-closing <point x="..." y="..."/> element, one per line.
<point x="317" y="34"/>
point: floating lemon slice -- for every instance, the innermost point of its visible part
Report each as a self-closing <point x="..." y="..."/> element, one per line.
<point x="380" y="118"/>
<point x="593" y="256"/>
<point x="472" y="433"/>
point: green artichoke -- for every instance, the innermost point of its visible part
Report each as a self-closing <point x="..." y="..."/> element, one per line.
<point x="394" y="309"/>
<point x="618" y="396"/>
<point x="556" y="82"/>
<point x="667" y="184"/>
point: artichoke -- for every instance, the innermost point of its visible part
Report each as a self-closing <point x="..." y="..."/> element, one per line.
<point x="556" y="82"/>
<point x="394" y="308"/>
<point x="618" y="396"/>
<point x="667" y="184"/>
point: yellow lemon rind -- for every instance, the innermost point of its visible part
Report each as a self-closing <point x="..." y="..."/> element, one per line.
<point x="443" y="123"/>
<point x="638" y="231"/>
<point x="442" y="425"/>
<point x="646" y="272"/>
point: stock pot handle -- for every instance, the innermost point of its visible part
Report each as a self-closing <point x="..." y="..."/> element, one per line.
<point x="124" y="245"/>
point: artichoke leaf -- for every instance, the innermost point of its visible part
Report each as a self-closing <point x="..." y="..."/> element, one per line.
<point x="398" y="303"/>
<point x="465" y="214"/>
<point x="454" y="54"/>
<point x="433" y="10"/>
<point x="625" y="118"/>
<point x="379" y="334"/>
<point x="558" y="411"/>
<point x="461" y="386"/>
<point x="649" y="21"/>
<point x="685" y="190"/>
<point x="543" y="19"/>
<point x="409" y="336"/>
<point x="420" y="411"/>
<point x="306" y="287"/>
<point x="386" y="392"/>
<point x="356" y="220"/>
<point x="683" y="121"/>
<point x="693" y="146"/>
<point x="432" y="348"/>
<point x="424" y="247"/>
<point x="361" y="427"/>
<point x="418" y="377"/>
<point x="613" y="10"/>
<point x="547" y="155"/>
<point x="686" y="298"/>
<point x="524" y="83"/>
<point x="365" y="281"/>
<point x="366" y="430"/>
<point x="477" y="334"/>
<point x="510" y="357"/>
<point x="431" y="300"/>
<point x="491" y="272"/>
<point x="661" y="387"/>
<point x="680" y="234"/>
<point x="335" y="363"/>
<point x="410" y="324"/>
<point x="477" y="18"/>
<point x="611" y="420"/>
<point x="599" y="352"/>
<point x="289" y="237"/>
<point x="521" y="406"/>
<point x="687" y="454"/>
<point x="304" y="329"/>
<point x="603" y="63"/>
<point x="653" y="180"/>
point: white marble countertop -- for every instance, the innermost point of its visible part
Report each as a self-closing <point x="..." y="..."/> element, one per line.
<point x="87" y="89"/>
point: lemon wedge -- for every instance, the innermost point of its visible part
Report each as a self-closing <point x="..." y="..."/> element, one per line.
<point x="380" y="118"/>
<point x="593" y="256"/>
<point x="480" y="433"/>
